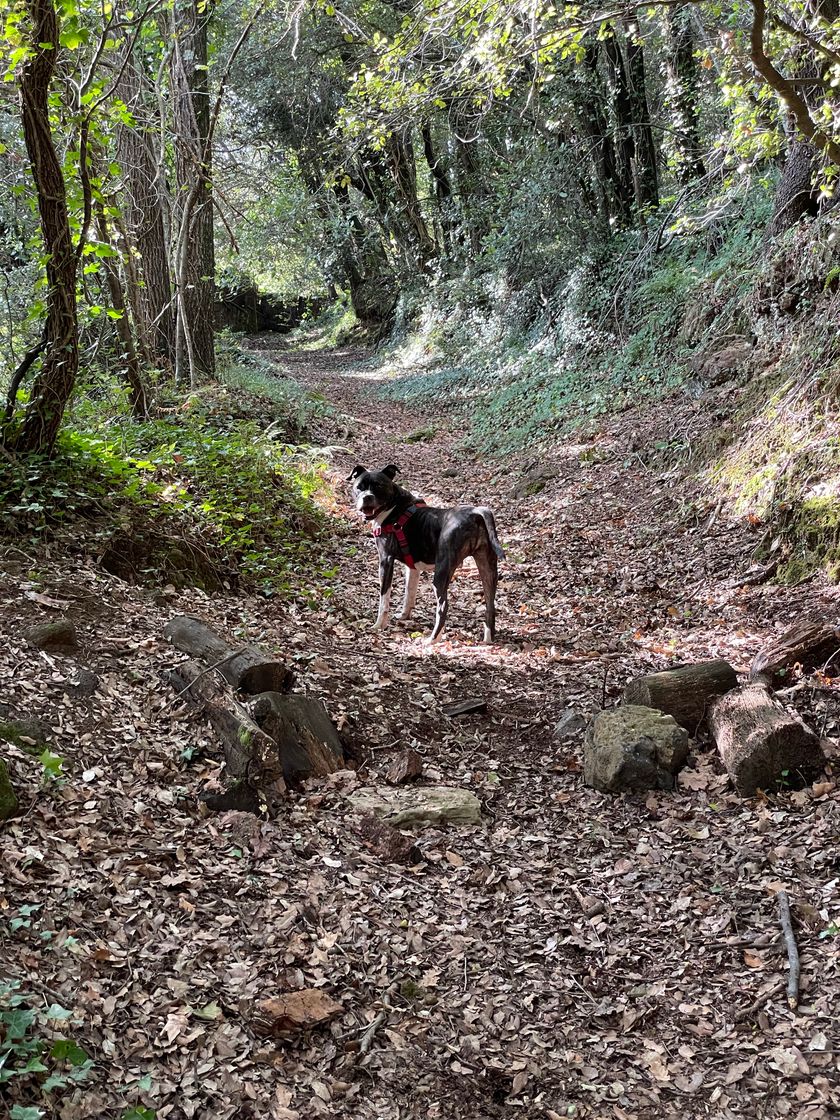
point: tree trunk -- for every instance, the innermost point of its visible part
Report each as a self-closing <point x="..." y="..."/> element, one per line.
<point x="60" y="362"/>
<point x="682" y="93"/>
<point x="625" y="187"/>
<point x="149" y="288"/>
<point x="128" y="353"/>
<point x="442" y="187"/>
<point x="404" y="174"/>
<point x="195" y="263"/>
<point x="684" y="693"/>
<point x="809" y="643"/>
<point x="762" y="745"/>
<point x="645" y="175"/>
<point x="612" y="205"/>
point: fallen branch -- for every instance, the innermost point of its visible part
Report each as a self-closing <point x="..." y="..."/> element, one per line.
<point x="760" y="1002"/>
<point x="792" y="951"/>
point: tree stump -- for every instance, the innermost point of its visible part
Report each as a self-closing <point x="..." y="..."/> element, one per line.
<point x="250" y="754"/>
<point x="246" y="668"/>
<point x="685" y="692"/>
<point x="762" y="745"/>
<point x="307" y="742"/>
<point x="810" y="643"/>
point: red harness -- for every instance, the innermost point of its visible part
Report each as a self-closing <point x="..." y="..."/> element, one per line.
<point x="398" y="529"/>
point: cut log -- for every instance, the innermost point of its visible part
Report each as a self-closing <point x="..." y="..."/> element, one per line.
<point x="762" y="745"/>
<point x="685" y="692"/>
<point x="307" y="742"/>
<point x="247" y="668"/>
<point x="810" y="643"/>
<point x="250" y="754"/>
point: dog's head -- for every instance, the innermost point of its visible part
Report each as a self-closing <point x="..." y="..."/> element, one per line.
<point x="373" y="491"/>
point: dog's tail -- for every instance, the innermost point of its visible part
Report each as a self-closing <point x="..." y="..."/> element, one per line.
<point x="489" y="520"/>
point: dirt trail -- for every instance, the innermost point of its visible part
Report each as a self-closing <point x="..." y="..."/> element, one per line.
<point x="573" y="955"/>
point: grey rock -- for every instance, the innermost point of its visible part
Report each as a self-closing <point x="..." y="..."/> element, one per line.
<point x="570" y="723"/>
<point x="82" y="683"/>
<point x="633" y="748"/>
<point x="58" y="636"/>
<point x="406" y="807"/>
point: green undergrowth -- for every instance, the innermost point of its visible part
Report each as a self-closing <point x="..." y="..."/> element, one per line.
<point x="616" y="330"/>
<point x="336" y="326"/>
<point x="215" y="490"/>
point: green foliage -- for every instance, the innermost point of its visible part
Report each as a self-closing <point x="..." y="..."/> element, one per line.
<point x="34" y="1059"/>
<point x="213" y="478"/>
<point x="596" y="346"/>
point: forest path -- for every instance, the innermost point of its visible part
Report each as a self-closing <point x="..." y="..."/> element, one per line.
<point x="614" y="567"/>
<point x="573" y="955"/>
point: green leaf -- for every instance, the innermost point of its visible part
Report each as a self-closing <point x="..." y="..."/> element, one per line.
<point x="17" y="1022"/>
<point x="65" y="1049"/>
<point x="209" y="1011"/>
<point x="57" y="1012"/>
<point x="139" y="1113"/>
<point x="19" y="1112"/>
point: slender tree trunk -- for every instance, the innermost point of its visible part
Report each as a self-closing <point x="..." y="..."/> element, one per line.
<point x="195" y="263"/>
<point x="681" y="93"/>
<point x="149" y="288"/>
<point x="128" y="357"/>
<point x="404" y="174"/>
<point x="60" y="362"/>
<point x="442" y="187"/>
<point x="645" y="176"/>
<point x="625" y="187"/>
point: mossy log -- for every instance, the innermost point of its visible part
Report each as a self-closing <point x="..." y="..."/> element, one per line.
<point x="810" y="643"/>
<point x="246" y="668"/>
<point x="763" y="746"/>
<point x="251" y="756"/>
<point x="308" y="742"/>
<point x="685" y="692"/>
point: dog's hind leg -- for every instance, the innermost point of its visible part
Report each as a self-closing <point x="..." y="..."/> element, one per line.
<point x="412" y="578"/>
<point x="386" y="576"/>
<point x="441" y="580"/>
<point x="488" y="569"/>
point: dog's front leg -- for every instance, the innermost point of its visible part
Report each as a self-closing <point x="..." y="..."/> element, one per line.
<point x="386" y="576"/>
<point x="412" y="578"/>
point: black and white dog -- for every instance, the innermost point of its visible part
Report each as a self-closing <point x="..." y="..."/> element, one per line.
<point x="425" y="538"/>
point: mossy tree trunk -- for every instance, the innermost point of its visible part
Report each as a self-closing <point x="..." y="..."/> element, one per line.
<point x="60" y="349"/>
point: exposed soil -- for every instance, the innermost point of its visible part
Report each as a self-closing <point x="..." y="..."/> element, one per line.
<point x="573" y="955"/>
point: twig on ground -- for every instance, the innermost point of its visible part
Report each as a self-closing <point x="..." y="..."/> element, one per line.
<point x="759" y="1002"/>
<point x="792" y="951"/>
<point x="366" y="1040"/>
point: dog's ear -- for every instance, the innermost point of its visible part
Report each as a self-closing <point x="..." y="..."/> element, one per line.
<point x="356" y="471"/>
<point x="390" y="470"/>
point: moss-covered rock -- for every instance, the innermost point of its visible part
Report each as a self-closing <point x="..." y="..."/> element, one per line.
<point x="8" y="799"/>
<point x="28" y="734"/>
<point x="58" y="636"/>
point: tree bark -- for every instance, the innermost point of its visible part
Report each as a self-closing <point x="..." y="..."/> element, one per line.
<point x="128" y="356"/>
<point x="404" y="175"/>
<point x="308" y="743"/>
<point x="682" y="93"/>
<point x="60" y="362"/>
<point x="150" y="287"/>
<point x="684" y="693"/>
<point x="195" y="263"/>
<point x="762" y="745"/>
<point x="810" y="643"/>
<point x="645" y="174"/>
<point x="246" y="668"/>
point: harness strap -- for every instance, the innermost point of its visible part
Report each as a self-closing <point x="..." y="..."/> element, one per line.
<point x="398" y="529"/>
